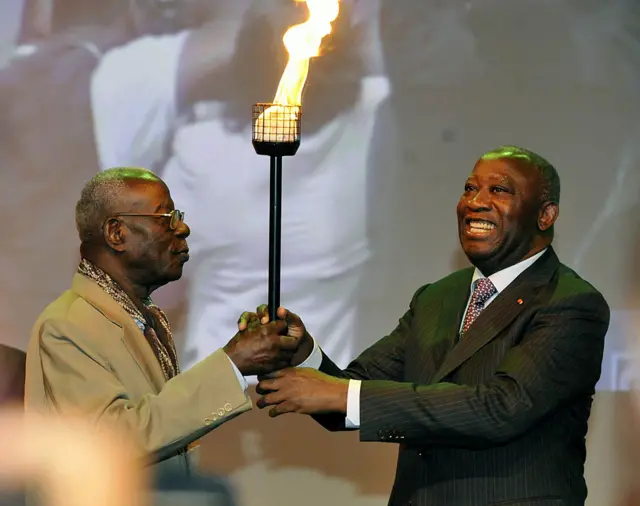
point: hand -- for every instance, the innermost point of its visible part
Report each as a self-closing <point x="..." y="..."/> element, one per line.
<point x="295" y="329"/>
<point x="261" y="349"/>
<point x="304" y="391"/>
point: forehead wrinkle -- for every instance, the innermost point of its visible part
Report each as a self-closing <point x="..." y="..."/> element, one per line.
<point x="502" y="178"/>
<point x="141" y="196"/>
<point x="513" y="168"/>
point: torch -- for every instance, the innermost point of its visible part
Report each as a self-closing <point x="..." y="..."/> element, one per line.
<point x="276" y="126"/>
<point x="276" y="133"/>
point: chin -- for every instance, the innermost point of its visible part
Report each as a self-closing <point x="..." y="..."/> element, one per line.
<point x="478" y="253"/>
<point x="172" y="275"/>
<point x="477" y="248"/>
<point x="175" y="276"/>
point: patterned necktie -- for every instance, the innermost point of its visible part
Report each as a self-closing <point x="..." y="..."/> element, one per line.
<point x="482" y="292"/>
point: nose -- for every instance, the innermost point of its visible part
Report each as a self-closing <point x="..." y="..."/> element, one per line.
<point x="183" y="231"/>
<point x="479" y="201"/>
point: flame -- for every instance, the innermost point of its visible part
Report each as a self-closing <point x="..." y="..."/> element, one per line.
<point x="302" y="42"/>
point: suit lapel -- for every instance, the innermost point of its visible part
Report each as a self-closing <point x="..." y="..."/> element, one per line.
<point x="132" y="337"/>
<point x="500" y="313"/>
<point x="454" y="301"/>
<point x="141" y="351"/>
<point x="441" y="307"/>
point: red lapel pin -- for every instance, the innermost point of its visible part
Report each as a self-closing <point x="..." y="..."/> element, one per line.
<point x="520" y="301"/>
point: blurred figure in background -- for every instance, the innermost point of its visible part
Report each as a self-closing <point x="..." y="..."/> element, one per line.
<point x="69" y="462"/>
<point x="47" y="141"/>
<point x="121" y="97"/>
<point x="325" y="243"/>
<point x="46" y="152"/>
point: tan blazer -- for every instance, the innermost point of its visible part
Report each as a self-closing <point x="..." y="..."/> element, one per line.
<point x="87" y="356"/>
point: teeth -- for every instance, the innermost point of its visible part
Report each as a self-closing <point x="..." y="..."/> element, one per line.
<point x="483" y="225"/>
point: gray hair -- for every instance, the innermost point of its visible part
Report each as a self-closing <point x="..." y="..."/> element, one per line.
<point x="100" y="197"/>
<point x="549" y="174"/>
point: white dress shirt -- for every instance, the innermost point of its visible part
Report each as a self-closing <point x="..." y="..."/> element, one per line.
<point x="501" y="280"/>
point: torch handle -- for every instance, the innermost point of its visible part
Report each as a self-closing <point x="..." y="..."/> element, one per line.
<point x="275" y="222"/>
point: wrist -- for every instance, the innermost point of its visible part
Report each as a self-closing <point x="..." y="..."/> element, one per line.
<point x="305" y="348"/>
<point x="230" y="352"/>
<point x="341" y="396"/>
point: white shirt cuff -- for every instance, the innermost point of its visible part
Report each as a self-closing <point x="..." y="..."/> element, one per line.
<point x="314" y="359"/>
<point x="241" y="379"/>
<point x="352" y="420"/>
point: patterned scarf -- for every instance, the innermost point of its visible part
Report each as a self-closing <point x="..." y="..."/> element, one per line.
<point x="164" y="352"/>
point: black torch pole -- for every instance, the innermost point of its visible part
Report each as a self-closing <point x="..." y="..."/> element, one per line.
<point x="275" y="223"/>
<point x="275" y="133"/>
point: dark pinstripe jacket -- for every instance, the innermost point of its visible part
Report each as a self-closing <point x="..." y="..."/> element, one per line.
<point x="500" y="416"/>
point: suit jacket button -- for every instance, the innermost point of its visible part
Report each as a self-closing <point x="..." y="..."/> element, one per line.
<point x="228" y="407"/>
<point x="221" y="412"/>
<point x="208" y="421"/>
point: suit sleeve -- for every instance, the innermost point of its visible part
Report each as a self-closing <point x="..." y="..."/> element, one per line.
<point x="385" y="358"/>
<point x="80" y="381"/>
<point x="382" y="361"/>
<point x="558" y="359"/>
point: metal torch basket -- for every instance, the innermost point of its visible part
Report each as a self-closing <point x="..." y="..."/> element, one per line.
<point x="276" y="129"/>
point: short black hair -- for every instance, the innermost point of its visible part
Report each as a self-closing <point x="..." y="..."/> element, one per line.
<point x="100" y="197"/>
<point x="549" y="174"/>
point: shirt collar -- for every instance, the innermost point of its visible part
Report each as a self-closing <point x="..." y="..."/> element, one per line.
<point x="502" y="279"/>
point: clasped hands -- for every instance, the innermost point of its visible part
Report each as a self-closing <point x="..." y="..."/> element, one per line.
<point x="272" y="350"/>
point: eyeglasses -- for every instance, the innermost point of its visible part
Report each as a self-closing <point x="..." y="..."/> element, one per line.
<point x="176" y="218"/>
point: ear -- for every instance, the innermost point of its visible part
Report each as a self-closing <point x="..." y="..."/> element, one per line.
<point x="115" y="234"/>
<point x="548" y="215"/>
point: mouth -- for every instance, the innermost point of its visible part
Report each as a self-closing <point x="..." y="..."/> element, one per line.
<point x="478" y="228"/>
<point x="183" y="255"/>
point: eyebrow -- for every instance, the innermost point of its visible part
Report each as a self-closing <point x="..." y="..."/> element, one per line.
<point x="501" y="178"/>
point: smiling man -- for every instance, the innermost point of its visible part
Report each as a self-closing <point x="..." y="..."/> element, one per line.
<point x="103" y="351"/>
<point x="487" y="381"/>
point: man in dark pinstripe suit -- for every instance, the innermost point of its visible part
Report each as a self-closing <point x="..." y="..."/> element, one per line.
<point x="487" y="381"/>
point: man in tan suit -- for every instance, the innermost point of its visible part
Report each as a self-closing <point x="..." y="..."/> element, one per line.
<point x="104" y="351"/>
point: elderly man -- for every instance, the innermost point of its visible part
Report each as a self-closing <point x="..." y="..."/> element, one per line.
<point x="105" y="352"/>
<point x="487" y="381"/>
